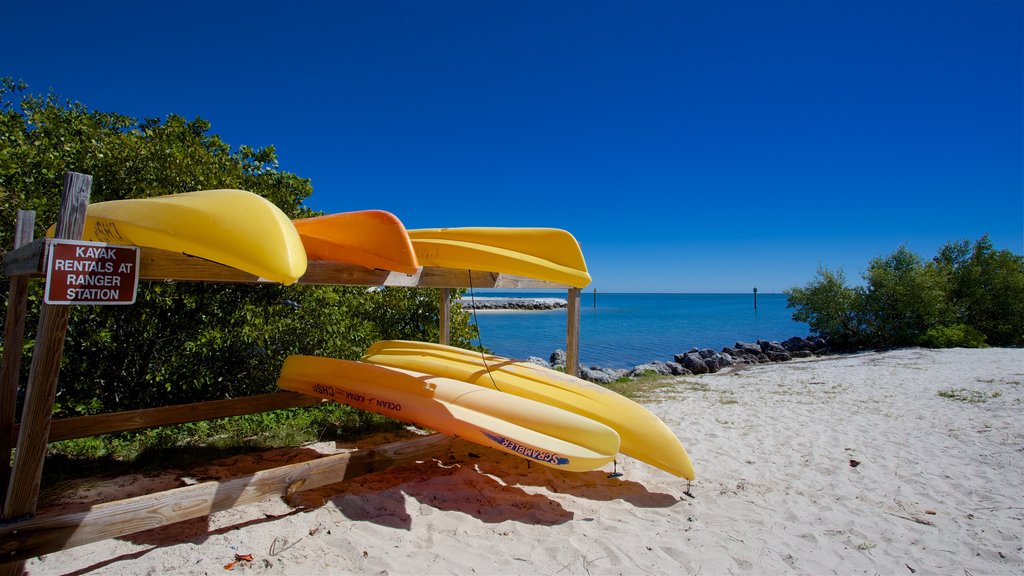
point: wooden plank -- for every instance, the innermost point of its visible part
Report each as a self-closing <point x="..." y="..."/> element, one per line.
<point x="45" y="534"/>
<point x="42" y="377"/>
<point x="156" y="264"/>
<point x="14" y="337"/>
<point x="572" y="333"/>
<point x="86" y="426"/>
<point x="26" y="260"/>
<point x="444" y="314"/>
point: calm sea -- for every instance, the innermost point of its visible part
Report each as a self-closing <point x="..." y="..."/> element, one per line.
<point x="624" y="330"/>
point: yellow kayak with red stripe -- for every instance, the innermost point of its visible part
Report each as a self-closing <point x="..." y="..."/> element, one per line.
<point x="532" y="430"/>
<point x="643" y="435"/>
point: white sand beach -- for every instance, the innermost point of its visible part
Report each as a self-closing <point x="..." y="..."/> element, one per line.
<point x="903" y="462"/>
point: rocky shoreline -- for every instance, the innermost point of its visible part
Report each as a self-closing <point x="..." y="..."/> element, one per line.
<point x="495" y="303"/>
<point x="700" y="361"/>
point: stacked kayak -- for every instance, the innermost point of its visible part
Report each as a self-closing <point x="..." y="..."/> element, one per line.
<point x="543" y="253"/>
<point x="231" y="227"/>
<point x="369" y="238"/>
<point x="532" y="430"/>
<point x="643" y="435"/>
<point x="545" y="416"/>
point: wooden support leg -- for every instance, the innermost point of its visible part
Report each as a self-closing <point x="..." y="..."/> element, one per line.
<point x="14" y="336"/>
<point x="23" y="491"/>
<point x="572" y="333"/>
<point x="445" y="315"/>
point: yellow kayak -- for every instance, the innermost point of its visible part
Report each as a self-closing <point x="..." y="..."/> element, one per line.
<point x="643" y="435"/>
<point x="231" y="227"/>
<point x="543" y="253"/>
<point x="519" y="426"/>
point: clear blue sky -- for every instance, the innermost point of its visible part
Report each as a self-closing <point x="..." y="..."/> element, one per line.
<point x="689" y="146"/>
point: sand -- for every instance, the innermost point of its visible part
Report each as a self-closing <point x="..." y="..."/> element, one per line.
<point x="901" y="462"/>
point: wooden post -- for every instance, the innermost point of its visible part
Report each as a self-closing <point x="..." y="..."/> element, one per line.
<point x="14" y="336"/>
<point x="445" y="316"/>
<point x="755" y="299"/>
<point x="595" y="298"/>
<point x="572" y="333"/>
<point x="23" y="491"/>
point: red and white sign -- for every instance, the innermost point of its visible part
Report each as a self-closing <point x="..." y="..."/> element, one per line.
<point x="79" y="272"/>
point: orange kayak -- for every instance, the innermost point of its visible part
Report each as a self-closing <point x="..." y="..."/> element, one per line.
<point x="370" y="238"/>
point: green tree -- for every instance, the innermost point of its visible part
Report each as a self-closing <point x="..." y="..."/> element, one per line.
<point x="968" y="295"/>
<point x="830" y="307"/>
<point x="181" y="342"/>
<point x="904" y="298"/>
<point x="986" y="289"/>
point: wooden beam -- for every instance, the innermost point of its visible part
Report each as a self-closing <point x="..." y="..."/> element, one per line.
<point x="14" y="337"/>
<point x="572" y="333"/>
<point x="45" y="534"/>
<point x="86" y="426"/>
<point x="26" y="260"/>
<point x="156" y="264"/>
<point x="42" y="377"/>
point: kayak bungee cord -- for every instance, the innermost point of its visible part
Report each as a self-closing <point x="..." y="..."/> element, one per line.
<point x="479" y="332"/>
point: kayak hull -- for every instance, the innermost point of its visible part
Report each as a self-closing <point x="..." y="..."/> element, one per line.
<point x="535" y="431"/>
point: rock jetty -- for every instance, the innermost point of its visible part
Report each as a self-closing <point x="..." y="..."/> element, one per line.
<point x="494" y="303"/>
<point x="701" y="361"/>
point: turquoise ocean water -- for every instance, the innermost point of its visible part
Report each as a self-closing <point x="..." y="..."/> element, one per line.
<point x="624" y="330"/>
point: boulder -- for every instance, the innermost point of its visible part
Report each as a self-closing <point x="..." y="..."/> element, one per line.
<point x="557" y="358"/>
<point x="748" y="348"/>
<point x="712" y="363"/>
<point x="768" y="346"/>
<point x="538" y="361"/>
<point x="678" y="369"/>
<point x="693" y="362"/>
<point x="596" y="375"/>
<point x="797" y="343"/>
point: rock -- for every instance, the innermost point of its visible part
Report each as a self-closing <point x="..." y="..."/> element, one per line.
<point x="692" y="362"/>
<point x="797" y="343"/>
<point x="801" y="354"/>
<point x="778" y="356"/>
<point x="678" y="369"/>
<point x="597" y="376"/>
<point x="767" y="346"/>
<point x="712" y="363"/>
<point x="538" y="361"/>
<point x="557" y="358"/>
<point x="725" y="359"/>
<point x="748" y="348"/>
<point x="656" y="366"/>
<point x="707" y="353"/>
<point x="492" y="303"/>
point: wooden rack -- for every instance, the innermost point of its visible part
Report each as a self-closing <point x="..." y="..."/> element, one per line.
<point x="23" y="536"/>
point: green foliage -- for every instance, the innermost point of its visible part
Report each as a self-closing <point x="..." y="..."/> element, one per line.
<point x="986" y="289"/>
<point x="829" y="307"/>
<point x="968" y="295"/>
<point x="181" y="342"/>
<point x="955" y="336"/>
<point x="903" y="298"/>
